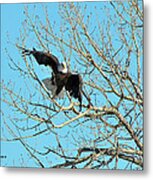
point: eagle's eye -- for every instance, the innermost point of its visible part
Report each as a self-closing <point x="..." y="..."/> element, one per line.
<point x="63" y="65"/>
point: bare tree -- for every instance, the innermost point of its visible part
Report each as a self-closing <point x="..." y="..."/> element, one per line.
<point x="108" y="53"/>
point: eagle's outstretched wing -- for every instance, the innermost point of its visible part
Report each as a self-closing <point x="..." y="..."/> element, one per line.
<point x="43" y="58"/>
<point x="74" y="87"/>
<point x="51" y="87"/>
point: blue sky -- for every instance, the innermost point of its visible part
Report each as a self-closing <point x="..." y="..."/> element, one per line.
<point x="12" y="17"/>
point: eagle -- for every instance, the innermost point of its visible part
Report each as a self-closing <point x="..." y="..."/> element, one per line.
<point x="61" y="77"/>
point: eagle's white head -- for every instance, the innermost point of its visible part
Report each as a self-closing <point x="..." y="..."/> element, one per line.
<point x="63" y="68"/>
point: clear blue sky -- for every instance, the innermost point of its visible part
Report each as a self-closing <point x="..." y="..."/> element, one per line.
<point x="11" y="21"/>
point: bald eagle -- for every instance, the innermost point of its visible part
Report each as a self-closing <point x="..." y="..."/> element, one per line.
<point x="61" y="76"/>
